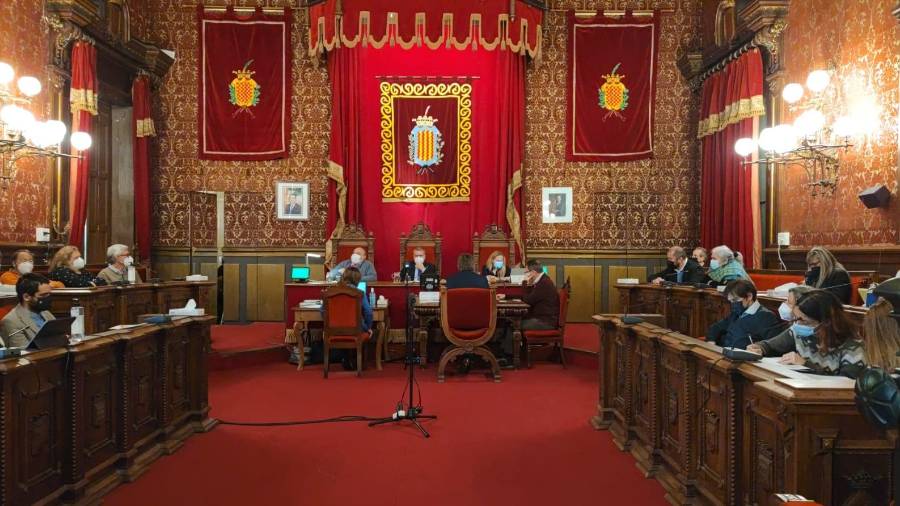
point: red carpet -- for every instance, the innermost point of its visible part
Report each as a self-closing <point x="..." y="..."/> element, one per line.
<point x="233" y="337"/>
<point x="525" y="441"/>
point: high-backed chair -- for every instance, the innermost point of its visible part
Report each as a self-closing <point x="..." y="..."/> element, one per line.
<point x="421" y="236"/>
<point x="493" y="239"/>
<point x="342" y="321"/>
<point x="551" y="337"/>
<point x="468" y="319"/>
<point x="354" y="236"/>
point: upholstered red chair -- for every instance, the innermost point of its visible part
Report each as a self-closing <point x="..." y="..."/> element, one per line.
<point x="493" y="239"/>
<point x="353" y="236"/>
<point x="342" y="321"/>
<point x="468" y="319"/>
<point x="551" y="337"/>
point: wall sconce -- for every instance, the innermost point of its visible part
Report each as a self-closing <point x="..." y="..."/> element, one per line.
<point x="23" y="136"/>
<point x="818" y="135"/>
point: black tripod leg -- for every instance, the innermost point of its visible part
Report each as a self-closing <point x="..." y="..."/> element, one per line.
<point x="421" y="429"/>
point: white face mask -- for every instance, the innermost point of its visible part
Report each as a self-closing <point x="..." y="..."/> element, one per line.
<point x="78" y="264"/>
<point x="355" y="258"/>
<point x="25" y="267"/>
<point x="420" y="259"/>
<point x="128" y="261"/>
<point x="784" y="311"/>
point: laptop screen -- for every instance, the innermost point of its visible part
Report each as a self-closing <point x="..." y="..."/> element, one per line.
<point x="300" y="272"/>
<point x="362" y="286"/>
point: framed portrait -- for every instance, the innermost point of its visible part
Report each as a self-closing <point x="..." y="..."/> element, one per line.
<point x="292" y="200"/>
<point x="556" y="205"/>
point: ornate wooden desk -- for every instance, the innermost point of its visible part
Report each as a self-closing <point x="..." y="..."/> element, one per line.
<point x="78" y="421"/>
<point x="303" y="316"/>
<point x="718" y="432"/>
<point x="512" y="311"/>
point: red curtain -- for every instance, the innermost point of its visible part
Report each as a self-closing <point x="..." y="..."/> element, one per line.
<point x="83" y="104"/>
<point x="731" y="99"/>
<point x="498" y="81"/>
<point x="143" y="129"/>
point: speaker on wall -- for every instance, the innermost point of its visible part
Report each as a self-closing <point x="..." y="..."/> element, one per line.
<point x="876" y="196"/>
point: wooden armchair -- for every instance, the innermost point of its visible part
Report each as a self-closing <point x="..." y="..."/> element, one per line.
<point x="342" y="321"/>
<point x="468" y="319"/>
<point x="493" y="239"/>
<point x="551" y="337"/>
<point x="354" y="236"/>
<point x="421" y="236"/>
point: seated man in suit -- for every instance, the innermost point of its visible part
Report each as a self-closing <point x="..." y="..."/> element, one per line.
<point x="417" y="268"/>
<point x="466" y="277"/>
<point x="748" y="321"/>
<point x="357" y="260"/>
<point x="662" y="275"/>
<point x="687" y="270"/>
<point x="25" y="320"/>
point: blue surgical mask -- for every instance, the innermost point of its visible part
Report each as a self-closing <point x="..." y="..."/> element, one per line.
<point x="801" y="330"/>
<point x="498" y="264"/>
<point x="713" y="264"/>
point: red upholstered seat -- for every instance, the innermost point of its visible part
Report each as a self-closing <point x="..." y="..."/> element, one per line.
<point x="363" y="336"/>
<point x="765" y="282"/>
<point x="342" y="322"/>
<point x="463" y="304"/>
<point x="536" y="334"/>
<point x="551" y="337"/>
<point x="469" y="335"/>
<point x="468" y="319"/>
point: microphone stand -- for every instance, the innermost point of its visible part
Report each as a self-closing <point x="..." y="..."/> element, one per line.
<point x="411" y="412"/>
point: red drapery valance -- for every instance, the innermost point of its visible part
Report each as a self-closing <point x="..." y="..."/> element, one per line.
<point x="83" y="104"/>
<point x="731" y="99"/>
<point x="143" y="130"/>
<point x="488" y="24"/>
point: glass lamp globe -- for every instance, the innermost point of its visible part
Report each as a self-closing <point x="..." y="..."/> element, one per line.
<point x="817" y="81"/>
<point x="8" y="114"/>
<point x="56" y="131"/>
<point x="6" y="73"/>
<point x="81" y="141"/>
<point x="808" y="123"/>
<point x="785" y="138"/>
<point x="29" y="86"/>
<point x="792" y="93"/>
<point x="767" y="139"/>
<point x="744" y="147"/>
<point x="39" y="134"/>
<point x="845" y="126"/>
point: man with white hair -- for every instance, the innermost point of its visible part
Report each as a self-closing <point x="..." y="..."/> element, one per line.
<point x="119" y="259"/>
<point x="724" y="267"/>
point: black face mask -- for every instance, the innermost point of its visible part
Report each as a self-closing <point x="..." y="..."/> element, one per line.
<point x="813" y="274"/>
<point x="40" y="305"/>
<point x="670" y="264"/>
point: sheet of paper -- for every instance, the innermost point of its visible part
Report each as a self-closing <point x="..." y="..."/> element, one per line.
<point x="793" y="367"/>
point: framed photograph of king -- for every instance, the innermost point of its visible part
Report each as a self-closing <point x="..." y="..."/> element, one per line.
<point x="292" y="200"/>
<point x="556" y="204"/>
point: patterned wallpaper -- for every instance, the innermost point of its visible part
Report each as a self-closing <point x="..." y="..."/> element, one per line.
<point x="655" y="202"/>
<point x="658" y="199"/>
<point x="26" y="202"/>
<point x="861" y="38"/>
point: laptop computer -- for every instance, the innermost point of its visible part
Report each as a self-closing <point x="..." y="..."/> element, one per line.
<point x="54" y="334"/>
<point x="517" y="275"/>
<point x="300" y="273"/>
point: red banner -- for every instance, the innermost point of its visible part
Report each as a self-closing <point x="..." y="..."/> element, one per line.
<point x="611" y="87"/>
<point x="245" y="85"/>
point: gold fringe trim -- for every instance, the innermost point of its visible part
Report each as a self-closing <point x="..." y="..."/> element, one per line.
<point x="512" y="214"/>
<point x="734" y="112"/>
<point x="145" y="128"/>
<point x="83" y="100"/>
<point x="336" y="173"/>
<point x="392" y="37"/>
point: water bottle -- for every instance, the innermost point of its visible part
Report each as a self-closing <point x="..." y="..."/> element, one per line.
<point x="77" y="312"/>
<point x="372" y="297"/>
<point x="131" y="274"/>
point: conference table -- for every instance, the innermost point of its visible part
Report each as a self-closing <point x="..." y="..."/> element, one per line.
<point x="304" y="314"/>
<point x="718" y="432"/>
<point x="81" y="419"/>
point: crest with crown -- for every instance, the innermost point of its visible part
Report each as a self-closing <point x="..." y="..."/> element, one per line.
<point x="425" y="143"/>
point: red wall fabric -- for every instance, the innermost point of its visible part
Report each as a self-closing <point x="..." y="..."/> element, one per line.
<point x="231" y="44"/>
<point x="444" y="110"/>
<point x="140" y="100"/>
<point x="497" y="78"/>
<point x="726" y="204"/>
<point x="617" y="57"/>
<point x="83" y="94"/>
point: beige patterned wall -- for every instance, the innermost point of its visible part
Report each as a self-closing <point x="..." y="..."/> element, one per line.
<point x="861" y="38"/>
<point x="659" y="197"/>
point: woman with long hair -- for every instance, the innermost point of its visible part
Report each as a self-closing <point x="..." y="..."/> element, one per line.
<point x="496" y="267"/>
<point x="826" y="273"/>
<point x="882" y="336"/>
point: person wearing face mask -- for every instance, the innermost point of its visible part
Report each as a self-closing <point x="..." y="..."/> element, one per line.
<point x="783" y="342"/>
<point x="659" y="277"/>
<point x="702" y="257"/>
<point x="748" y="322"/>
<point x="358" y="260"/>
<point x="825" y="272"/>
<point x="119" y="259"/>
<point x="25" y="320"/>
<point x="22" y="263"/>
<point x="724" y="267"/>
<point x="495" y="268"/>
<point x="418" y="268"/>
<point x="687" y="271"/>
<point x="824" y="338"/>
<point x="66" y="267"/>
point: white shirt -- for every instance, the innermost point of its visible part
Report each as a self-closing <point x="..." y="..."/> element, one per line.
<point x="752" y="309"/>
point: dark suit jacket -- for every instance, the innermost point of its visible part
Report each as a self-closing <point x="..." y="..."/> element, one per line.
<point x="736" y="332"/>
<point x="504" y="272"/>
<point x="544" y="301"/>
<point x="838" y="283"/>
<point x="293" y="209"/>
<point x="691" y="274"/>
<point x="466" y="279"/>
<point x="665" y="273"/>
<point x="408" y="271"/>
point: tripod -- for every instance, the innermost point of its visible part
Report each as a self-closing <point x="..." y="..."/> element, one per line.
<point x="411" y="359"/>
